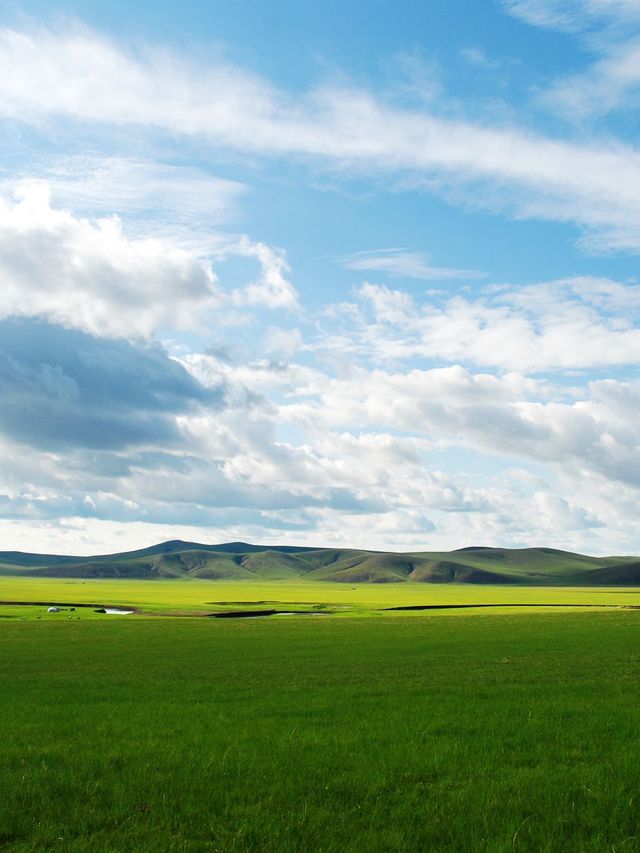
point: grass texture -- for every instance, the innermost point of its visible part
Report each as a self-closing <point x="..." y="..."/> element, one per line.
<point x="505" y="733"/>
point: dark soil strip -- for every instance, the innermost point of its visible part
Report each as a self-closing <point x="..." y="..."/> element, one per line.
<point x="504" y="604"/>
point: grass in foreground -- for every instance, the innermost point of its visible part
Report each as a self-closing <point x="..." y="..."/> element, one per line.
<point x="496" y="734"/>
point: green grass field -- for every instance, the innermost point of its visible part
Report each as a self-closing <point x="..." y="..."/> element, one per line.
<point x="514" y="731"/>
<point x="193" y="596"/>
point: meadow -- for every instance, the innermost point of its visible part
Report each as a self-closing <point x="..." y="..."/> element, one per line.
<point x="199" y="597"/>
<point x="428" y="731"/>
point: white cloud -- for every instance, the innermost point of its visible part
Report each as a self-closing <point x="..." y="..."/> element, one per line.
<point x="574" y="15"/>
<point x="350" y="444"/>
<point x="298" y="455"/>
<point x="606" y="28"/>
<point x="272" y="288"/>
<point x="401" y="263"/>
<point x="389" y="306"/>
<point x="79" y="75"/>
<point x="283" y="342"/>
<point x="566" y="324"/>
<point x="605" y="86"/>
<point x="510" y="415"/>
<point x="87" y="273"/>
<point x="150" y="194"/>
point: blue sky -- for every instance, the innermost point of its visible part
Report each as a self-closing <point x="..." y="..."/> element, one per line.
<point x="341" y="273"/>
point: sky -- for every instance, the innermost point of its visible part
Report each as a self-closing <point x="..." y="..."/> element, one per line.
<point x="336" y="274"/>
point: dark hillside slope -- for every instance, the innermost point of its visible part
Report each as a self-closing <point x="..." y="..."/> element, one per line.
<point x="624" y="574"/>
<point x="446" y="571"/>
<point x="276" y="565"/>
<point x="528" y="565"/>
<point x="365" y="567"/>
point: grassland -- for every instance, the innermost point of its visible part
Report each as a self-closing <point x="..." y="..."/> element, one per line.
<point x="505" y="733"/>
<point x="193" y="597"/>
<point x="366" y="729"/>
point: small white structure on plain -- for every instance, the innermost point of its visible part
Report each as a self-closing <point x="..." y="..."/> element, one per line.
<point x="53" y="610"/>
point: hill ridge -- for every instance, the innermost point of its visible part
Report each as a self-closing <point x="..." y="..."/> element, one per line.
<point x="177" y="558"/>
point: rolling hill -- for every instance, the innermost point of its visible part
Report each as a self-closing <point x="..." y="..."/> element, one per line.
<point x="242" y="561"/>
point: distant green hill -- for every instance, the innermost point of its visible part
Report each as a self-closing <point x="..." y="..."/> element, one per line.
<point x="241" y="561"/>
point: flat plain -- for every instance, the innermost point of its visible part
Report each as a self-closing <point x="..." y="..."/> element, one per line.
<point x="194" y="597"/>
<point x="485" y="729"/>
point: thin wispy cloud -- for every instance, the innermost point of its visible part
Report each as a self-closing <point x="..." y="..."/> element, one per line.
<point x="607" y="29"/>
<point x="142" y="189"/>
<point x="574" y="15"/>
<point x="595" y="185"/>
<point x="401" y="263"/>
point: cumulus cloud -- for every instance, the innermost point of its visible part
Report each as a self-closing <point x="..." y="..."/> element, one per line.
<point x="283" y="342"/>
<point x="122" y="433"/>
<point x="62" y="388"/>
<point x="87" y="273"/>
<point x="509" y="415"/>
<point x="272" y="288"/>
<point x="571" y="323"/>
<point x="81" y="76"/>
